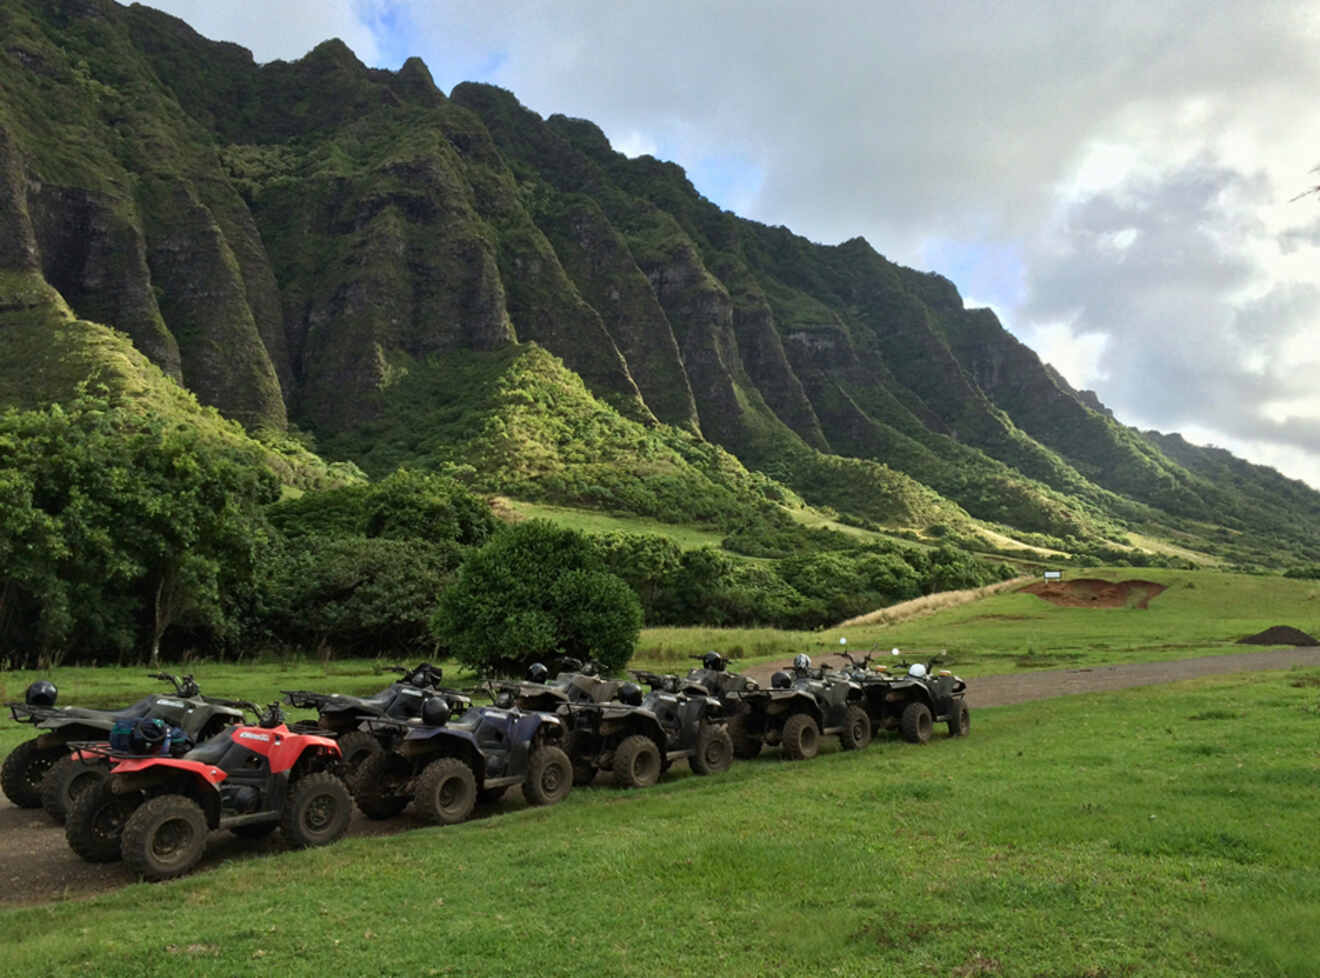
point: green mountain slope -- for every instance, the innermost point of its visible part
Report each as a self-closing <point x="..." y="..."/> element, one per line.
<point x="455" y="281"/>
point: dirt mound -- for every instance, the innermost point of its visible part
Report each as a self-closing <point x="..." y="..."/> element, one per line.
<point x="1279" y="635"/>
<point x="1087" y="592"/>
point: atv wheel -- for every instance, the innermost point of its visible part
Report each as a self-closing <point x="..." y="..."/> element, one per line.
<point x="26" y="765"/>
<point x="916" y="723"/>
<point x="379" y="785"/>
<point x="637" y="762"/>
<point x="317" y="811"/>
<point x="165" y="837"/>
<point x="960" y="719"/>
<point x="446" y="791"/>
<point x="549" y="776"/>
<point x="856" y="729"/>
<point x="95" y="823"/>
<point x="66" y="780"/>
<point x="254" y="830"/>
<point x="714" y="751"/>
<point x="801" y="739"/>
<point x="745" y="744"/>
<point x="357" y="746"/>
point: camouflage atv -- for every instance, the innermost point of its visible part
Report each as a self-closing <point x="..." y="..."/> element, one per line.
<point x="42" y="772"/>
<point x="613" y="726"/>
<point x="345" y="717"/>
<point x="792" y="714"/>
<point x="445" y="766"/>
<point x="911" y="700"/>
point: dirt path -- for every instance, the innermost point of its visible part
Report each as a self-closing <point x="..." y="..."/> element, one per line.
<point x="36" y="864"/>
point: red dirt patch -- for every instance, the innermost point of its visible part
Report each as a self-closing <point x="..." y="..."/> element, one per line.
<point x="1279" y="635"/>
<point x="1088" y="592"/>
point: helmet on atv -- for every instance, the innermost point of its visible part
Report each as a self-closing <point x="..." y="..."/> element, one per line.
<point x="148" y="735"/>
<point x="713" y="661"/>
<point x="435" y="711"/>
<point x="631" y="694"/>
<point x="504" y="699"/>
<point x="537" y="672"/>
<point x="917" y="671"/>
<point x="41" y="693"/>
<point x="802" y="661"/>
<point x="781" y="680"/>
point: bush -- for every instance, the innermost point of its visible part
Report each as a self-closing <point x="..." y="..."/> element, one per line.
<point x="534" y="591"/>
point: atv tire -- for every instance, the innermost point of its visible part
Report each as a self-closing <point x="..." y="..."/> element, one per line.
<point x="960" y="719"/>
<point x="66" y="779"/>
<point x="357" y="746"/>
<point x="94" y="826"/>
<point x="801" y="738"/>
<point x="446" y="791"/>
<point x="637" y="762"/>
<point x="746" y="746"/>
<point x="549" y="776"/>
<point x="317" y="812"/>
<point x="379" y="784"/>
<point x="24" y="769"/>
<point x="165" y="837"/>
<point x="714" y="753"/>
<point x="916" y="723"/>
<point x="856" y="729"/>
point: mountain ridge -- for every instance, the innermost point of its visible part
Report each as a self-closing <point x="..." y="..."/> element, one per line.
<point x="293" y="240"/>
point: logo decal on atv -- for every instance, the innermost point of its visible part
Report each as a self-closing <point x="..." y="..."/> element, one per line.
<point x="248" y="735"/>
<point x="174" y="703"/>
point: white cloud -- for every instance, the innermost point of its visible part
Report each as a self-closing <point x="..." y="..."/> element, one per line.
<point x="284" y="30"/>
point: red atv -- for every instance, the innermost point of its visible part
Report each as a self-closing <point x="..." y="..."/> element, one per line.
<point x="154" y="812"/>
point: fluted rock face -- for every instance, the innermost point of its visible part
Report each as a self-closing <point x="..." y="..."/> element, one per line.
<point x="317" y="239"/>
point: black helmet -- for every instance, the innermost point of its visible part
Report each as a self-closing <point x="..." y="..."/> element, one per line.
<point x="802" y="661"/>
<point x="435" y="711"/>
<point x="41" y="693"/>
<point x="781" y="680"/>
<point x="504" y="699"/>
<point x="631" y="694"/>
<point x="713" y="661"/>
<point x="537" y="672"/>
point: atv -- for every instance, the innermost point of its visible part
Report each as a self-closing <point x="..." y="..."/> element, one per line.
<point x="789" y="715"/>
<point x="912" y="700"/>
<point x="345" y="717"/>
<point x="838" y="710"/>
<point x="445" y="766"/>
<point x="612" y="726"/>
<point x="41" y="772"/>
<point x="154" y="811"/>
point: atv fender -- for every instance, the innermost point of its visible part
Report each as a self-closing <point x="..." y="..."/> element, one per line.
<point x="455" y="743"/>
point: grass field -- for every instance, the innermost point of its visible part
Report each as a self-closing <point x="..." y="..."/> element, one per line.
<point x="1157" y="832"/>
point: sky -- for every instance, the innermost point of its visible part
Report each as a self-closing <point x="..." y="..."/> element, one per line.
<point x="1115" y="180"/>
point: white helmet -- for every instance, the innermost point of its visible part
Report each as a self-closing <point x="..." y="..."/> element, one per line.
<point x="917" y="671"/>
<point x="802" y="661"/>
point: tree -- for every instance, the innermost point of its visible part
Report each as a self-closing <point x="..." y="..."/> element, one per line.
<point x="534" y="591"/>
<point x="117" y="525"/>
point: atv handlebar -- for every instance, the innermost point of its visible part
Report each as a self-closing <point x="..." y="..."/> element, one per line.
<point x="183" y="685"/>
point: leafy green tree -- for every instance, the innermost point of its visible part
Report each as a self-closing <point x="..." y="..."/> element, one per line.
<point x="117" y="525"/>
<point x="533" y="591"/>
<point x="354" y="594"/>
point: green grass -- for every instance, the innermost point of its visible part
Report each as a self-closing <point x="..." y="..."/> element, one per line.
<point x="1155" y="832"/>
<point x="592" y="521"/>
<point x="1200" y="613"/>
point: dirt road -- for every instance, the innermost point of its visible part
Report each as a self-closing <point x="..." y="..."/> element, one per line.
<point x="36" y="864"/>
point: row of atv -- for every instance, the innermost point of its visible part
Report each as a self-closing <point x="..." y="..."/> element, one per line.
<point x="147" y="783"/>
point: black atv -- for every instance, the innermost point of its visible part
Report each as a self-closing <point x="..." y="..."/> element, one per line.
<point x="346" y="717"/>
<point x="788" y="715"/>
<point x="911" y="700"/>
<point x="839" y="710"/>
<point x="613" y="726"/>
<point x="445" y="766"/>
<point x="42" y="772"/>
<point x="154" y="811"/>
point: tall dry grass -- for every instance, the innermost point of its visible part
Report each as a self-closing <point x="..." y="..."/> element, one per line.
<point x="931" y="603"/>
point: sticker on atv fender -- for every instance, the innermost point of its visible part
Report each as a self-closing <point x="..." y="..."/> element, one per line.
<point x="248" y="735"/>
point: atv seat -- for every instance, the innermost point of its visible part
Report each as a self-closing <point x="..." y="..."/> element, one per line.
<point x="137" y="711"/>
<point x="597" y="690"/>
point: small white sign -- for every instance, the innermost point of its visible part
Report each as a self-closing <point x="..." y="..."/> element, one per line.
<point x="1054" y="575"/>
